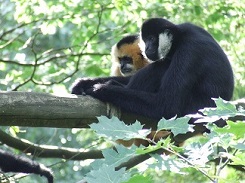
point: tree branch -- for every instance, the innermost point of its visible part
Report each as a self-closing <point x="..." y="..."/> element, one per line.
<point x="46" y="110"/>
<point x="48" y="151"/>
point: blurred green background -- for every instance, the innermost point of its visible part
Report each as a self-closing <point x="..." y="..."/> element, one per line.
<point x="46" y="44"/>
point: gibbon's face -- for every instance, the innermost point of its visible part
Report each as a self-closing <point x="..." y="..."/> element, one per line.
<point x="126" y="65"/>
<point x="155" y="40"/>
<point x="129" y="58"/>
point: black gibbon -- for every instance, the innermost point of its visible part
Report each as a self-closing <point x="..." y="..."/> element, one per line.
<point x="13" y="163"/>
<point x="127" y="57"/>
<point x="187" y="69"/>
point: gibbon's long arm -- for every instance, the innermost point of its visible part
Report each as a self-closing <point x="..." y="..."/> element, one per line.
<point x="83" y="84"/>
<point x="13" y="163"/>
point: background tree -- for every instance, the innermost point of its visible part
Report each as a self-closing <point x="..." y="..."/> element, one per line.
<point x="46" y="45"/>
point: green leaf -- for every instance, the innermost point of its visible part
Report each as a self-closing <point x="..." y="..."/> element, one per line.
<point x="240" y="146"/>
<point x="223" y="110"/>
<point x="115" y="129"/>
<point x="14" y="130"/>
<point x="176" y="125"/>
<point x="169" y="163"/>
<point x="107" y="174"/>
<point x="238" y="159"/>
<point x="118" y="156"/>
<point x="224" y="140"/>
<point x="140" y="178"/>
<point x="236" y="128"/>
<point x="198" y="154"/>
<point x="161" y="144"/>
<point x="148" y="149"/>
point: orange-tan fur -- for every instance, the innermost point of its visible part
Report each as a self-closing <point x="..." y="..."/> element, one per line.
<point x="130" y="50"/>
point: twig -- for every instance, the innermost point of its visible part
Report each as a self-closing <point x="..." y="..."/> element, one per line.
<point x="35" y="66"/>
<point x="224" y="164"/>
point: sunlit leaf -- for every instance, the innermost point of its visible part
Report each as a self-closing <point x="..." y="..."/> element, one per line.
<point x="236" y="128"/>
<point x="107" y="174"/>
<point x="170" y="164"/>
<point x="118" y="155"/>
<point x="140" y="179"/>
<point x="176" y="125"/>
<point x="198" y="154"/>
<point x="115" y="129"/>
<point x="148" y="149"/>
<point x="240" y="146"/>
<point x="238" y="159"/>
<point x="224" y="109"/>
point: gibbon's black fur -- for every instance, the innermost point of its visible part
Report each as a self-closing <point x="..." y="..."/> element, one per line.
<point x="13" y="163"/>
<point x="188" y="69"/>
<point x="127" y="57"/>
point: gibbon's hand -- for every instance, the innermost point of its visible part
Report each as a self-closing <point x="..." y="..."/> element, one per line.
<point x="82" y="86"/>
<point x="100" y="90"/>
<point x="95" y="89"/>
<point x="85" y="86"/>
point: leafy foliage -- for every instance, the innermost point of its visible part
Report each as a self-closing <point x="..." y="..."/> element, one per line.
<point x="224" y="143"/>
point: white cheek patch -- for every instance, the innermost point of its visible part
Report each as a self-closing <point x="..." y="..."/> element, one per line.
<point x="114" y="68"/>
<point x="165" y="43"/>
<point x="115" y="62"/>
<point x="142" y="45"/>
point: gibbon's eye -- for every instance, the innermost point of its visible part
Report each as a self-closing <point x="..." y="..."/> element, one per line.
<point x="151" y="38"/>
<point x="125" y="60"/>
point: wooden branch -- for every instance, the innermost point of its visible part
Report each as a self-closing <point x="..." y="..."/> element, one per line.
<point x="47" y="110"/>
<point x="48" y="151"/>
